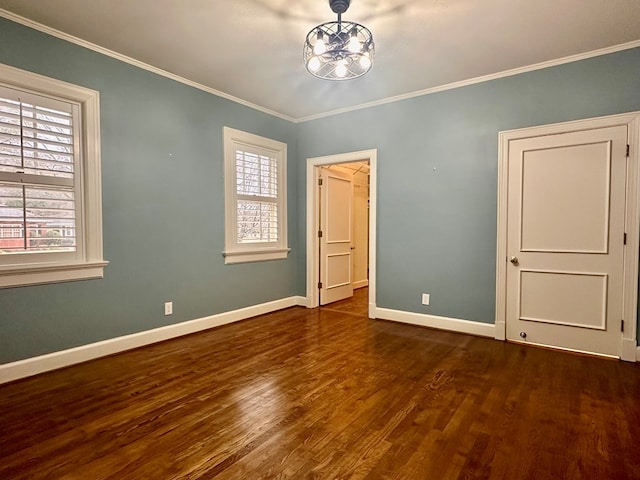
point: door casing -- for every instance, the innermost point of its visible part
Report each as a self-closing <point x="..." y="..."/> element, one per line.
<point x="631" y="251"/>
<point x="312" y="209"/>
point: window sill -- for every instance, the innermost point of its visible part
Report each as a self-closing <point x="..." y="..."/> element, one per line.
<point x="245" y="256"/>
<point x="40" y="274"/>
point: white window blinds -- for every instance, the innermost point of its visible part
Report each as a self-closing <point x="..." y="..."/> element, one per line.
<point x="38" y="149"/>
<point x="256" y="197"/>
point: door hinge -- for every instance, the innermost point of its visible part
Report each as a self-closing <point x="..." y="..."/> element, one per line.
<point x="319" y="284"/>
<point x="625" y="238"/>
<point x="319" y="182"/>
<point x="319" y="233"/>
<point x="622" y="325"/>
<point x="628" y="146"/>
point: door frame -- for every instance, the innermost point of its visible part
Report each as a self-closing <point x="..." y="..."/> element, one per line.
<point x="628" y="350"/>
<point x="312" y="209"/>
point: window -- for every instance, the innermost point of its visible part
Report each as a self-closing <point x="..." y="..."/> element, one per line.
<point x="50" y="208"/>
<point x="255" y="198"/>
<point x="11" y="230"/>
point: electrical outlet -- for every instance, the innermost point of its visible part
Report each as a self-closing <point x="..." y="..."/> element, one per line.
<point x="168" y="308"/>
<point x="425" y="298"/>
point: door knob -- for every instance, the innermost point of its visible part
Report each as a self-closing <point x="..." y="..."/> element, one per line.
<point x="514" y="260"/>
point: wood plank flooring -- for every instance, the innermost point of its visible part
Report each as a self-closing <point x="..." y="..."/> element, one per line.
<point x="326" y="394"/>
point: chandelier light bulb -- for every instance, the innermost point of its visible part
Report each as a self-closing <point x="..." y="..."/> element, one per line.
<point x="341" y="69"/>
<point x="313" y="64"/>
<point x="354" y="44"/>
<point x="320" y="47"/>
<point x="365" y="62"/>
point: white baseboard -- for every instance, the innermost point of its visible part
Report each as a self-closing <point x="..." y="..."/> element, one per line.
<point x="443" y="323"/>
<point x="52" y="361"/>
<point x="638" y="354"/>
<point x="360" y="284"/>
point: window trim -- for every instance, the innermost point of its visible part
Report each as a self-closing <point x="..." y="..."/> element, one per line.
<point x="234" y="251"/>
<point x="89" y="262"/>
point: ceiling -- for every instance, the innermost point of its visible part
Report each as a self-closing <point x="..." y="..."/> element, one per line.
<point x="252" y="49"/>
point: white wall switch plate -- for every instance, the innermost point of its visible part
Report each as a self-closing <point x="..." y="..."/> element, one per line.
<point x="425" y="298"/>
<point x="168" y="308"/>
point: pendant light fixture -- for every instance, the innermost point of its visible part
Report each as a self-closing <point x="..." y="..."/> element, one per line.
<point x="339" y="50"/>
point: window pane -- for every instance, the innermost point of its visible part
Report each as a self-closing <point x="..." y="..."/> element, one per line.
<point x="257" y="222"/>
<point x="35" y="140"/>
<point x="11" y="219"/>
<point x="256" y="175"/>
<point x="36" y="219"/>
<point x="13" y="231"/>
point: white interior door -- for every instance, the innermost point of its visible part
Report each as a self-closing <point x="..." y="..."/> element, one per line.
<point x="565" y="239"/>
<point x="336" y="218"/>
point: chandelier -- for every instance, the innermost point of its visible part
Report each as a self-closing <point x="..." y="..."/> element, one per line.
<point x="339" y="50"/>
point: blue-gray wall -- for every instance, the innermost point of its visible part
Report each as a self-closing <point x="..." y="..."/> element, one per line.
<point x="437" y="174"/>
<point x="162" y="184"/>
<point x="163" y="192"/>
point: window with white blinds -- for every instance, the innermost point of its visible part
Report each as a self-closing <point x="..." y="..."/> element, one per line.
<point x="255" y="200"/>
<point x="38" y="142"/>
<point x="50" y="212"/>
<point x="257" y="197"/>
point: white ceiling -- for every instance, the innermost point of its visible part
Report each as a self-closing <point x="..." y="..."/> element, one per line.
<point x="252" y="49"/>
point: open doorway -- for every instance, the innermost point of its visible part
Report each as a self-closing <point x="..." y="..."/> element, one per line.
<point x="357" y="168"/>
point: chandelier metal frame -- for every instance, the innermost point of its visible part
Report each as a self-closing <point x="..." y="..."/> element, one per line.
<point x="339" y="50"/>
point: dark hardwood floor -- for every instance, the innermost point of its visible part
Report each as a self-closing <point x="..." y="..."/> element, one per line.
<point x="326" y="394"/>
<point x="356" y="305"/>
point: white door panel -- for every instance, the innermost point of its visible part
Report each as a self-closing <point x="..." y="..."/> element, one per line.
<point x="554" y="221"/>
<point x="338" y="268"/>
<point x="565" y="230"/>
<point x="579" y="299"/>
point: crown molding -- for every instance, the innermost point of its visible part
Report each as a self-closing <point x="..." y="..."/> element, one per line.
<point x="137" y="63"/>
<point x="427" y="91"/>
<point x="473" y="81"/>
